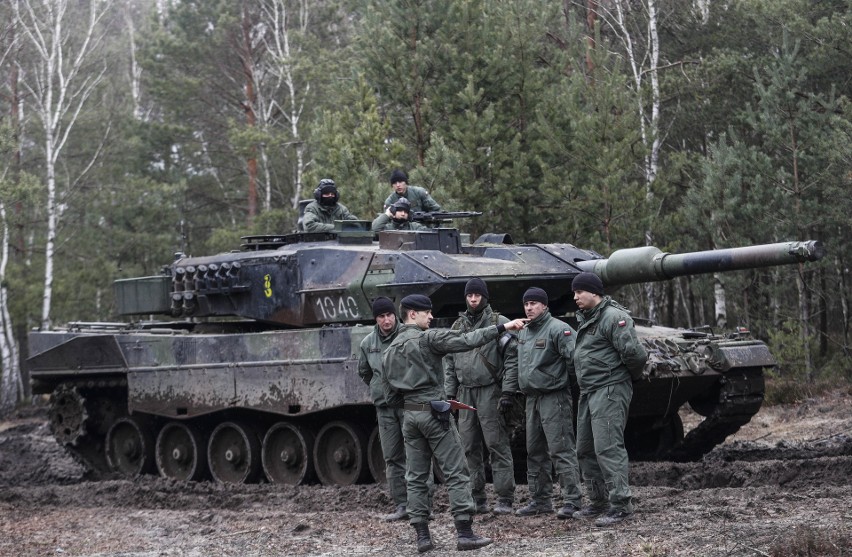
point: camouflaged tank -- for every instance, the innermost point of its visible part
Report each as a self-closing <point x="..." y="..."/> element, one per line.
<point x="255" y="375"/>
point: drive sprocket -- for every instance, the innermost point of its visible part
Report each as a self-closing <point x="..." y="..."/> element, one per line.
<point x="68" y="415"/>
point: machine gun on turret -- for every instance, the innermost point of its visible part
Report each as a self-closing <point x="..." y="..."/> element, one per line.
<point x="434" y="217"/>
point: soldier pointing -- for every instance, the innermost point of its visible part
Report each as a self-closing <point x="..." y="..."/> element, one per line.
<point x="413" y="374"/>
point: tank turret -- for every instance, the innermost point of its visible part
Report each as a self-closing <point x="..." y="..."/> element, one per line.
<point x="307" y="280"/>
<point x="253" y="370"/>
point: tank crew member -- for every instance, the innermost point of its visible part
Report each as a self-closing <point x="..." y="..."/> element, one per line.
<point x="400" y="218"/>
<point x="477" y="378"/>
<point x="413" y="375"/>
<point x="607" y="356"/>
<point x="545" y="349"/>
<point x="389" y="417"/>
<point x="321" y="213"/>
<point x="418" y="197"/>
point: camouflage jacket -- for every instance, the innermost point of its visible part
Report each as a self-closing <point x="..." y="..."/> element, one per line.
<point x="412" y="367"/>
<point x="608" y="350"/>
<point x="545" y="349"/>
<point x="320" y="218"/>
<point x="370" y="361"/>
<point x="418" y="197"/>
<point x="485" y="365"/>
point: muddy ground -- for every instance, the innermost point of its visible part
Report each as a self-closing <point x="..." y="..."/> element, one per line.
<point x="781" y="486"/>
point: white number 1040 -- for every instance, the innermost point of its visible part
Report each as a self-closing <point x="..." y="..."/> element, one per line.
<point x="332" y="307"/>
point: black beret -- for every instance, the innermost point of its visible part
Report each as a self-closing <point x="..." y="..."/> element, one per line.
<point x="588" y="282"/>
<point x="476" y="286"/>
<point x="417" y="302"/>
<point x="535" y="295"/>
<point x="398" y="176"/>
<point x="383" y="305"/>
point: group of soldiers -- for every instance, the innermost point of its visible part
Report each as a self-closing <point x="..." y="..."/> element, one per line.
<point x="326" y="208"/>
<point x="484" y="360"/>
<point x="487" y="361"/>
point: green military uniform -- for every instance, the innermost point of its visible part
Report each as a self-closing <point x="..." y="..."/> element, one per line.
<point x="608" y="354"/>
<point x="384" y="222"/>
<point x="413" y="373"/>
<point x="418" y="197"/>
<point x="545" y="348"/>
<point x="477" y="378"/>
<point x="320" y="218"/>
<point x="389" y="417"/>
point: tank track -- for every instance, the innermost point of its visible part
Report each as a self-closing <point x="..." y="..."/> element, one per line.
<point x="78" y="421"/>
<point x="740" y="397"/>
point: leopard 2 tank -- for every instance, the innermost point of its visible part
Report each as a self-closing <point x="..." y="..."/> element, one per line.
<point x="250" y="372"/>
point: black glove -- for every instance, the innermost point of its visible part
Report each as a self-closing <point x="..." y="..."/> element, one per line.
<point x="506" y="403"/>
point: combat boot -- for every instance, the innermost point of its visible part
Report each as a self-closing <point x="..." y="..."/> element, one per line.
<point x="567" y="511"/>
<point x="614" y="516"/>
<point x="591" y="511"/>
<point x="467" y="539"/>
<point x="401" y="513"/>
<point x="482" y="506"/>
<point x="424" y="539"/>
<point x="502" y="507"/>
<point x="534" y="508"/>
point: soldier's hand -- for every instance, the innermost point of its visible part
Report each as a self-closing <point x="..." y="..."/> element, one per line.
<point x="516" y="324"/>
<point x="455" y="413"/>
<point x="506" y="402"/>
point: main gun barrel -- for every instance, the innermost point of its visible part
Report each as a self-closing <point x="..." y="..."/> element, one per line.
<point x="648" y="264"/>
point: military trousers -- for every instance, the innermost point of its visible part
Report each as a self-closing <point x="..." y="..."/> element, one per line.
<point x="550" y="443"/>
<point x="601" y="417"/>
<point x="426" y="438"/>
<point x="485" y="426"/>
<point x="393" y="449"/>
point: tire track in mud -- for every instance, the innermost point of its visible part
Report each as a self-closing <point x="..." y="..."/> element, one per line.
<point x="749" y="464"/>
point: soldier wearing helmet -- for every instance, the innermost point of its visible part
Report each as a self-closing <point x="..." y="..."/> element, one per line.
<point x="321" y="213"/>
<point x="397" y="217"/>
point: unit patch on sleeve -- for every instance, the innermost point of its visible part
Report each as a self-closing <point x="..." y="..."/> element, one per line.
<point x="622" y="323"/>
<point x="567" y="332"/>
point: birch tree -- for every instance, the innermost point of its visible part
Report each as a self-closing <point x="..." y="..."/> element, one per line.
<point x="288" y="23"/>
<point x="11" y="386"/>
<point x="59" y="83"/>
<point x="638" y="35"/>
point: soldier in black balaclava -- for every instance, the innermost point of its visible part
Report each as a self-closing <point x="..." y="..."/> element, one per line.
<point x="321" y="213"/>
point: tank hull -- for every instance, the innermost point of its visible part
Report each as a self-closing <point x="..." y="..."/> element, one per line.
<point x="121" y="385"/>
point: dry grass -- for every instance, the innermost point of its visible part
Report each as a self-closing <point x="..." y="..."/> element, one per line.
<point x="808" y="541"/>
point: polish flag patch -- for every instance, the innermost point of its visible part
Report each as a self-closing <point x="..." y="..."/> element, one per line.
<point x="567" y="333"/>
<point x="622" y="323"/>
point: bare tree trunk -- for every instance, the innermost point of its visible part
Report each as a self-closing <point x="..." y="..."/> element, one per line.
<point x="11" y="387"/>
<point x="805" y="327"/>
<point x="249" y="106"/>
<point x="135" y="68"/>
<point x="59" y="92"/>
<point x="721" y="310"/>
<point x="687" y="309"/>
<point x="649" y="124"/>
<point x="52" y="220"/>
<point x="839" y="267"/>
<point x="284" y="56"/>
<point x="591" y="23"/>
